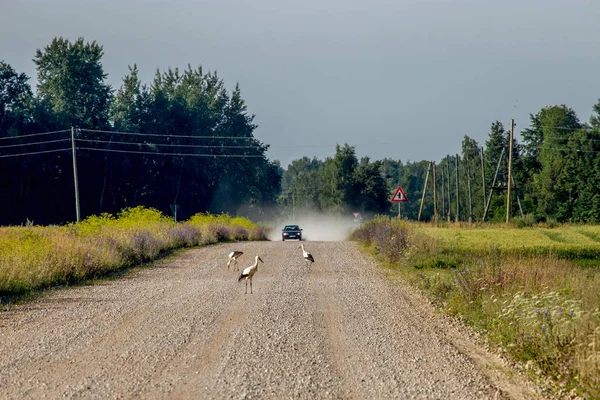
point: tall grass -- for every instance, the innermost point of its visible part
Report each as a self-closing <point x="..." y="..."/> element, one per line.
<point x="36" y="257"/>
<point x="533" y="302"/>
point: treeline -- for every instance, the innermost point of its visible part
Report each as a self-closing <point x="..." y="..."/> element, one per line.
<point x="184" y="144"/>
<point x="555" y="177"/>
<point x="196" y="151"/>
<point x="340" y="185"/>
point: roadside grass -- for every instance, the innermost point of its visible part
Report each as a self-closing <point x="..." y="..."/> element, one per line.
<point x="525" y="289"/>
<point x="37" y="257"/>
<point x="568" y="241"/>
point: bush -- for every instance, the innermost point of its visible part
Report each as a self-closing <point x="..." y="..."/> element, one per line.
<point x="386" y="235"/>
<point x="35" y="257"/>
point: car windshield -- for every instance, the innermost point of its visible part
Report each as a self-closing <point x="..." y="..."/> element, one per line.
<point x="291" y="228"/>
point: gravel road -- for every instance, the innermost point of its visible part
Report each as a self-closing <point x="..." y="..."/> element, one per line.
<point x="184" y="329"/>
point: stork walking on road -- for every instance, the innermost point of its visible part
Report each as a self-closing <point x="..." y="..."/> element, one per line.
<point x="249" y="272"/>
<point x="307" y="256"/>
<point x="233" y="256"/>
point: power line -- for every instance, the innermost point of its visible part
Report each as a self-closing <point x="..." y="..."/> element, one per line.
<point x="583" y="127"/>
<point x="170" y="136"/>
<point x="568" y="149"/>
<point x="327" y="145"/>
<point x="34" y="134"/>
<point x="172" y="154"/>
<point x="32" y="153"/>
<point x="167" y="144"/>
<point x="567" y="138"/>
<point x="32" y="144"/>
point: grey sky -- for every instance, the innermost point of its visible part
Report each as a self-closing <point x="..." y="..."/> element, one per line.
<point x="405" y="79"/>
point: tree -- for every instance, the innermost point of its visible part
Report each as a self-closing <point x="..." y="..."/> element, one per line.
<point x="471" y="167"/>
<point x="498" y="139"/>
<point x="371" y="187"/>
<point x="71" y="79"/>
<point x="299" y="185"/>
<point x="545" y="158"/>
<point x="345" y="163"/>
<point x="126" y="108"/>
<point x="16" y="100"/>
<point x="581" y="171"/>
<point x="595" y="118"/>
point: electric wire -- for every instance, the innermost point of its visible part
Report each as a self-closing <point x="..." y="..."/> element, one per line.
<point x="36" y="143"/>
<point x="172" y="154"/>
<point x="167" y="144"/>
<point x="35" y="152"/>
<point x="169" y="136"/>
<point x="34" y="134"/>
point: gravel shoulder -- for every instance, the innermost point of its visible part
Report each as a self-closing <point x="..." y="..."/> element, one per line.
<point x="185" y="329"/>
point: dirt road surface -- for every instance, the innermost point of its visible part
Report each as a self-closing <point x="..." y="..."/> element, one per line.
<point x="184" y="329"/>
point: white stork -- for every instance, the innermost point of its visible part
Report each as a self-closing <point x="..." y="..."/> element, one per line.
<point x="233" y="256"/>
<point x="307" y="256"/>
<point x="249" y="272"/>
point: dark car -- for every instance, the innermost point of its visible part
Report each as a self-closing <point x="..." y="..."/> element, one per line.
<point x="291" y="232"/>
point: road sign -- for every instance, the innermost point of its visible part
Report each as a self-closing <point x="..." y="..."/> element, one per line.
<point x="356" y="215"/>
<point x="399" y="196"/>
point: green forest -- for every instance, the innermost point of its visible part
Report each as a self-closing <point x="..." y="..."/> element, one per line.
<point x="185" y="144"/>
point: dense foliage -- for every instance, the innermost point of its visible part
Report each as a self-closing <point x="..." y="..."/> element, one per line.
<point x="340" y="184"/>
<point x="555" y="175"/>
<point x="196" y="151"/>
<point x="185" y="144"/>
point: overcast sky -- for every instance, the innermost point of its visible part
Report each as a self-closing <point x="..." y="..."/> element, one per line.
<point x="404" y="79"/>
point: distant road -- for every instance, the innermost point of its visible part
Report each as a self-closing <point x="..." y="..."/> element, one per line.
<point x="184" y="329"/>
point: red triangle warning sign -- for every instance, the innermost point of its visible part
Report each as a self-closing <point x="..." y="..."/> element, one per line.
<point x="399" y="196"/>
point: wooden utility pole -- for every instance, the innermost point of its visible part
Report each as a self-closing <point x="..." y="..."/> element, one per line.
<point x="435" y="210"/>
<point x="487" y="204"/>
<point x="512" y="178"/>
<point x="443" y="194"/>
<point x="470" y="218"/>
<point x="510" y="150"/>
<point x="424" y="189"/>
<point x="449" y="198"/>
<point x="457" y="192"/>
<point x="482" y="179"/>
<point x="76" y="179"/>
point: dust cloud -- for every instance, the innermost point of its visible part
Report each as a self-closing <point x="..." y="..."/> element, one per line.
<point x="317" y="227"/>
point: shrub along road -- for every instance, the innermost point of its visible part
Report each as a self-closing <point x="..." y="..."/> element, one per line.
<point x="185" y="329"/>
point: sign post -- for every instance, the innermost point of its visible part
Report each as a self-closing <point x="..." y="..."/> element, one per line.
<point x="399" y="197"/>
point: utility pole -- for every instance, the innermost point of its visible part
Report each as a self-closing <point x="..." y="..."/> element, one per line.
<point x="76" y="179"/>
<point x="512" y="178"/>
<point x="424" y="189"/>
<point x="443" y="194"/>
<point x="487" y="204"/>
<point x="482" y="179"/>
<point x="449" y="177"/>
<point x="470" y="218"/>
<point x="457" y="191"/>
<point x="510" y="150"/>
<point x="435" y="210"/>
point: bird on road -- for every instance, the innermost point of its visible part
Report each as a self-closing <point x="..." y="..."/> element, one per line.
<point x="249" y="272"/>
<point x="307" y="256"/>
<point x="233" y="256"/>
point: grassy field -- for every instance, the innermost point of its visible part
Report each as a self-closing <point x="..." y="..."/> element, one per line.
<point x="534" y="292"/>
<point x="37" y="257"/>
<point x="577" y="242"/>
